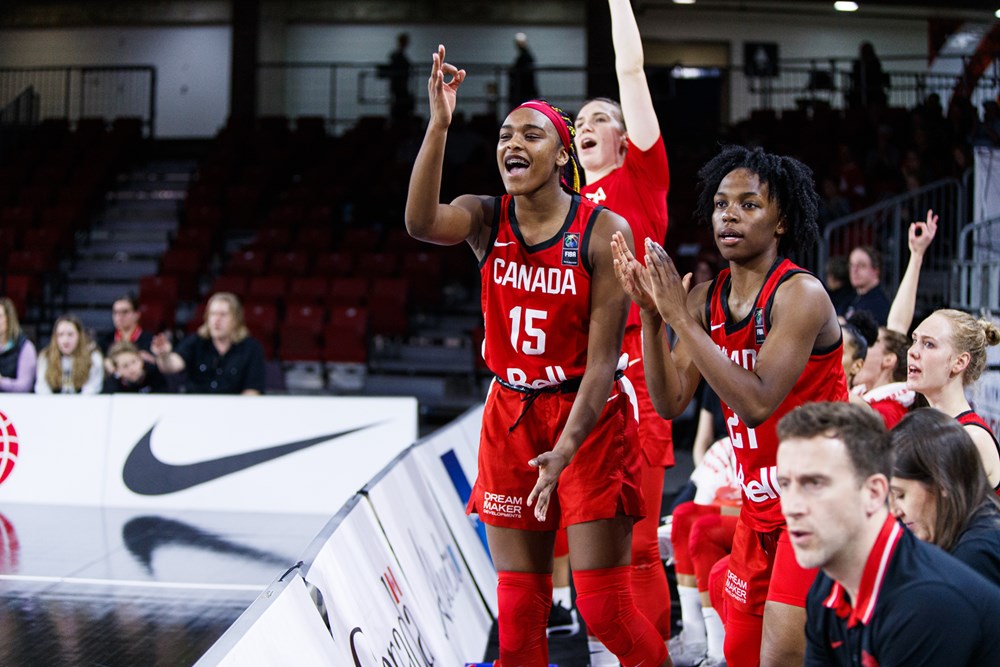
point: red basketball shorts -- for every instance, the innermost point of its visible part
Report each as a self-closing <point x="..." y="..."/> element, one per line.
<point x="763" y="567"/>
<point x="602" y="481"/>
<point x="655" y="432"/>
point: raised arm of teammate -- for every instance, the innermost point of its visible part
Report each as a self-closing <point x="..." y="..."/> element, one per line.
<point x="637" y="104"/>
<point x="920" y="235"/>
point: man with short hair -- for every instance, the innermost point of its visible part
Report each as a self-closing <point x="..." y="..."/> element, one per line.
<point x="865" y="268"/>
<point x="882" y="596"/>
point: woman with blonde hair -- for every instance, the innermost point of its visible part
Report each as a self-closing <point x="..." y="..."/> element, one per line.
<point x="70" y="363"/>
<point x="221" y="358"/>
<point x="947" y="355"/>
<point x="18" y="357"/>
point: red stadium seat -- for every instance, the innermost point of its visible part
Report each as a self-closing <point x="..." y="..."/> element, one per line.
<point x="291" y="263"/>
<point x="348" y="292"/>
<point x="247" y="263"/>
<point x="333" y="264"/>
<point x="311" y="290"/>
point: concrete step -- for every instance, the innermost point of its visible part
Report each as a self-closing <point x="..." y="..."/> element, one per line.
<point x="98" y="294"/>
<point x="110" y="248"/>
<point x="113" y="269"/>
<point x="122" y="236"/>
<point x="138" y="224"/>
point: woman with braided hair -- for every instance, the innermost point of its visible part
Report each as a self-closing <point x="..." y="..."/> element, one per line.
<point x="765" y="336"/>
<point x="558" y="409"/>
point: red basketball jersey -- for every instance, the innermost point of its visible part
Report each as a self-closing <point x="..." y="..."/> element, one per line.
<point x="536" y="299"/>
<point x="822" y="379"/>
<point x="637" y="191"/>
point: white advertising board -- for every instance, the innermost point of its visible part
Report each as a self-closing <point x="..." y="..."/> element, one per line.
<point x="282" y="627"/>
<point x="374" y="616"/>
<point x="429" y="557"/>
<point x="61" y="444"/>
<point x="289" y="454"/>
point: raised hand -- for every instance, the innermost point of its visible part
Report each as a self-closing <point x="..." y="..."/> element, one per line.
<point x="631" y="274"/>
<point x="443" y="94"/>
<point x="668" y="288"/>
<point x="550" y="465"/>
<point x="921" y="233"/>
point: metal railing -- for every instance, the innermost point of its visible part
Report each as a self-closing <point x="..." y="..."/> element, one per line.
<point x="885" y="226"/>
<point x="975" y="285"/>
<point x="74" y="92"/>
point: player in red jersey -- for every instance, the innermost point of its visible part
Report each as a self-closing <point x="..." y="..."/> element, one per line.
<point x="622" y="154"/>
<point x="554" y="317"/>
<point x="948" y="354"/>
<point x="765" y="336"/>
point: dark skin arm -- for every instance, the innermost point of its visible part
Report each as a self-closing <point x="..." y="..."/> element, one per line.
<point x="802" y="319"/>
<point x="608" y="313"/>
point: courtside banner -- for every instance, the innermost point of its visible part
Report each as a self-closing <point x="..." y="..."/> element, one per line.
<point x="375" y="618"/>
<point x="438" y="457"/>
<point x="282" y="627"/>
<point x="53" y="448"/>
<point x="297" y="454"/>
<point x="430" y="558"/>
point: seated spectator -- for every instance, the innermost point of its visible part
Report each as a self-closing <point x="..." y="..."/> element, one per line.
<point x="882" y="597"/>
<point x="881" y="380"/>
<point x="838" y="284"/>
<point x="130" y="373"/>
<point x="18" y="357"/>
<point x="221" y="358"/>
<point x="938" y="490"/>
<point x="125" y="315"/>
<point x="70" y="363"/>
<point x="859" y="332"/>
<point x="865" y="266"/>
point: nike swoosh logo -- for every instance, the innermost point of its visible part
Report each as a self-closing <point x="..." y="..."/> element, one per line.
<point x="501" y="244"/>
<point x="836" y="644"/>
<point x="718" y="326"/>
<point x="147" y="475"/>
<point x="633" y="362"/>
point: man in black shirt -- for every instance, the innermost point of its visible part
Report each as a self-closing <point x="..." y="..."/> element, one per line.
<point x="882" y="597"/>
<point x="221" y="358"/>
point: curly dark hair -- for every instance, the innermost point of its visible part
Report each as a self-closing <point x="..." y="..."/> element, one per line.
<point x="788" y="181"/>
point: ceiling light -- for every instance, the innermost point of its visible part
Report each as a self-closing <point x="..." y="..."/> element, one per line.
<point x="845" y="6"/>
<point x="683" y="2"/>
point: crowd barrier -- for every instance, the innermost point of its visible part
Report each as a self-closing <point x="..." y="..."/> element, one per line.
<point x="399" y="576"/>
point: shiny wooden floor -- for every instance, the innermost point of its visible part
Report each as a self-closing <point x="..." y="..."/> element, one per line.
<point x="92" y="586"/>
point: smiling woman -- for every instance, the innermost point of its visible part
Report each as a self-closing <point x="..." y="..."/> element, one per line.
<point x="558" y="409"/>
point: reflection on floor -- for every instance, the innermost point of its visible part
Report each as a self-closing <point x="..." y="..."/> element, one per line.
<point x="91" y="586"/>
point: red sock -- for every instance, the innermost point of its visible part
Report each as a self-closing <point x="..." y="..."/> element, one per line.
<point x="743" y="637"/>
<point x="524" y="600"/>
<point x="684" y="517"/>
<point x="711" y="539"/>
<point x="604" y="599"/>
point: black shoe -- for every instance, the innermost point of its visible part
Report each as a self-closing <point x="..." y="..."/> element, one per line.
<point x="562" y="621"/>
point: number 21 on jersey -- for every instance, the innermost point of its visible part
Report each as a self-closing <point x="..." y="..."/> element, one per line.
<point x="736" y="430"/>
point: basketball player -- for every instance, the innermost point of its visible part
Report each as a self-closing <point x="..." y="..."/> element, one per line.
<point x="622" y="154"/>
<point x="765" y="336"/>
<point x="556" y="412"/>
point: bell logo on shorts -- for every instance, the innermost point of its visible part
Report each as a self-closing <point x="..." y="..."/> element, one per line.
<point x="8" y="447"/>
<point x="498" y="504"/>
<point x="571" y="249"/>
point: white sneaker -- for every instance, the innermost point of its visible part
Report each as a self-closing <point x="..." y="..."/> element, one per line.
<point x="711" y="662"/>
<point x="600" y="656"/>
<point x="663" y="539"/>
<point x="684" y="654"/>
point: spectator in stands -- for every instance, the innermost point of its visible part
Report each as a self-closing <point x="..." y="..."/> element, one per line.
<point x="70" y="363"/>
<point x="522" y="73"/>
<point x="882" y="596"/>
<point x="18" y="357"/>
<point x="832" y="204"/>
<point x="859" y="332"/>
<point x="221" y="358"/>
<point x="131" y="372"/>
<point x="868" y="81"/>
<point x="397" y="71"/>
<point x="838" y="284"/>
<point x="938" y="490"/>
<point x="125" y="315"/>
<point x="865" y="266"/>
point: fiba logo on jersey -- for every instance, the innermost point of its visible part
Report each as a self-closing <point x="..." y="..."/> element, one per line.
<point x="758" y="326"/>
<point x="571" y="249"/>
<point x="8" y="447"/>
